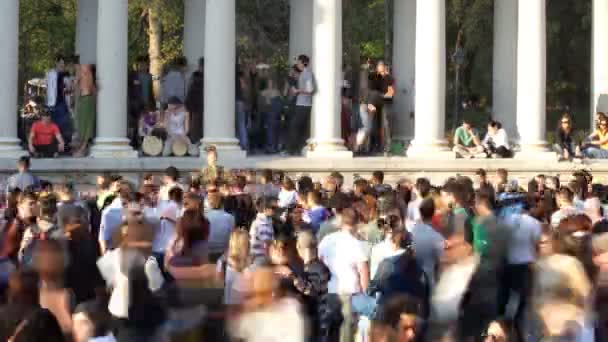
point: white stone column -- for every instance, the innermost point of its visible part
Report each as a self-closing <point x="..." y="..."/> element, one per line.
<point x="327" y="66"/>
<point x="531" y="77"/>
<point x="9" y="65"/>
<point x="404" y="69"/>
<point x="220" y="62"/>
<point x="429" y="139"/>
<point x="504" y="92"/>
<point x="300" y="28"/>
<point x="599" y="56"/>
<point x="112" y="50"/>
<point x="86" y="31"/>
<point x="194" y="32"/>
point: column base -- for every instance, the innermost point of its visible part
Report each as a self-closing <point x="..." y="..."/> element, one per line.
<point x="227" y="148"/>
<point x="430" y="150"/>
<point x="112" y="148"/>
<point x="11" y="148"/>
<point x="331" y="148"/>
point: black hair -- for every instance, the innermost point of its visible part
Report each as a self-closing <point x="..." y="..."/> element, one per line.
<point x="304" y="59"/>
<point x="495" y="124"/>
<point x="378" y="175"/>
<point x="172" y="172"/>
<point x="305" y="184"/>
<point x="427" y="209"/>
<point x="24" y="161"/>
<point x="265" y="202"/>
<point x="41" y="325"/>
<point x="176" y="194"/>
<point x="423" y="185"/>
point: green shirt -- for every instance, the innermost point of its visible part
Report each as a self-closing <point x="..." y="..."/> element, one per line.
<point x="465" y="138"/>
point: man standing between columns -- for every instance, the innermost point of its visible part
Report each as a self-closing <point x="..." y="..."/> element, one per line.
<point x="299" y="125"/>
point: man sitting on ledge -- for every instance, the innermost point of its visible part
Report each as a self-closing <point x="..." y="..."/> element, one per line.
<point x="467" y="143"/>
<point x="45" y="139"/>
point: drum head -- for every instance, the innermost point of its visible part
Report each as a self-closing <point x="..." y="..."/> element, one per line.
<point x="180" y="147"/>
<point x="152" y="146"/>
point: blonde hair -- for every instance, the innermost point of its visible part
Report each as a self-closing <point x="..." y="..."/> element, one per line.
<point x="561" y="278"/>
<point x="237" y="255"/>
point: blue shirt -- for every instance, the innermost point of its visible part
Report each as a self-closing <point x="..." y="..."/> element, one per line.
<point x="111" y="219"/>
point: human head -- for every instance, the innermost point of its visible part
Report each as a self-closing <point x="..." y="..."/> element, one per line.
<point x="402" y="314"/>
<point x="266" y="205"/>
<point x="192" y="228"/>
<point x="314" y="198"/>
<point x="60" y="63"/>
<point x="23" y="164"/>
<point x="377" y="178"/>
<point x="288" y="184"/>
<point x="27" y="207"/>
<point x="482" y="176"/>
<point x="565" y="123"/>
<point x="302" y="62"/>
<point x="238" y="250"/>
<point x="50" y="259"/>
<point x="422" y="187"/>
<point x="497" y="332"/>
<point x="45" y="116"/>
<point x="176" y="194"/>
<point x="279" y="250"/>
<point x="215" y="200"/>
<point x="90" y="320"/>
<point x="565" y="196"/>
<point x="171" y="175"/>
<point x="493" y="127"/>
<point x="427" y="209"/>
<point x="360" y="187"/>
<point x="466" y="124"/>
<point x="603" y="123"/>
<point x="380" y="67"/>
<point x="306" y="244"/>
<point x="47" y="205"/>
<point x="266" y="176"/>
<point x="339" y="179"/>
<point x="211" y="155"/>
<point x="502" y="176"/>
<point x="174" y="103"/>
<point x="350" y="219"/>
<point x="552" y="183"/>
<point x="484" y="201"/>
<point x="453" y="194"/>
<point x="571" y="235"/>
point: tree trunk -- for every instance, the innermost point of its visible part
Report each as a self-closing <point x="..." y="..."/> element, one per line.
<point x="155" y="41"/>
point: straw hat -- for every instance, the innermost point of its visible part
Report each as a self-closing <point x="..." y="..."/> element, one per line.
<point x="152" y="145"/>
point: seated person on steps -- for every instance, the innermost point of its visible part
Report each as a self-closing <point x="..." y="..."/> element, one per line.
<point x="45" y="139"/>
<point x="596" y="145"/>
<point x="496" y="141"/>
<point x="467" y="143"/>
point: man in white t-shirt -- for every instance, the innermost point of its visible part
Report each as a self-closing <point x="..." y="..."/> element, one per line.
<point x="346" y="259"/>
<point x="565" y="199"/>
<point x="422" y="188"/>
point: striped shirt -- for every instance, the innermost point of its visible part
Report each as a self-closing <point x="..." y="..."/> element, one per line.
<point x="261" y="234"/>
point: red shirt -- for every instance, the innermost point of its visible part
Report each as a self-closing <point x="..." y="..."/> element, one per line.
<point x="43" y="134"/>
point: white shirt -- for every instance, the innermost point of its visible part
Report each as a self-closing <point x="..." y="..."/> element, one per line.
<point x="380" y="252"/>
<point x="413" y="213"/>
<point x="499" y="139"/>
<point x="166" y="234"/>
<point x="110" y="267"/>
<point x="287" y="198"/>
<point x="525" y="233"/>
<point x="221" y="225"/>
<point x="282" y="321"/>
<point x="561" y="214"/>
<point x="342" y="253"/>
<point x="451" y="287"/>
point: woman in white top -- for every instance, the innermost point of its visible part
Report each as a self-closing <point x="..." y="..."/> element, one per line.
<point x="177" y="124"/>
<point x="288" y="196"/>
<point x="496" y="142"/>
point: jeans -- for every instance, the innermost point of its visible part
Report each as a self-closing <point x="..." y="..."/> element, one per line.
<point x="272" y="120"/>
<point x="299" y="129"/>
<point x="364" y="129"/>
<point x="242" y="118"/>
<point x="594" y="152"/>
<point x="61" y="117"/>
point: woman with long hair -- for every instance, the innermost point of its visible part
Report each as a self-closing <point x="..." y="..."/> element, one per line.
<point x="564" y="141"/>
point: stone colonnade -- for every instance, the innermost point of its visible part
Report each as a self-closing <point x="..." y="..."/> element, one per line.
<point x="519" y="70"/>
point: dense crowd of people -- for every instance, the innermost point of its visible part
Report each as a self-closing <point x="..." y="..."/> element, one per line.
<point x="259" y="256"/>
